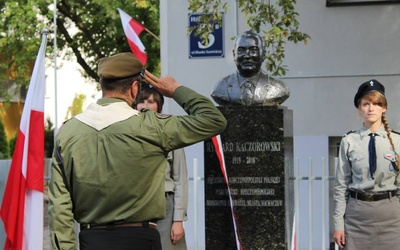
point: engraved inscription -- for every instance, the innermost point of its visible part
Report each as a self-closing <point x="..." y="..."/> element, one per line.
<point x="272" y="146"/>
<point x="240" y="193"/>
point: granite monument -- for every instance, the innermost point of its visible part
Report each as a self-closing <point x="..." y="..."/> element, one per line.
<point x="249" y="195"/>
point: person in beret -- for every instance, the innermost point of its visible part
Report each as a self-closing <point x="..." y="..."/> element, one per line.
<point x="108" y="164"/>
<point x="366" y="192"/>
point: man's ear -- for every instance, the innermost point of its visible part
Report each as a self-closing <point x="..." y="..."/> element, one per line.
<point x="135" y="89"/>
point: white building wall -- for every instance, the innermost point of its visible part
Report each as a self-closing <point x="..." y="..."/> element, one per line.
<point x="348" y="45"/>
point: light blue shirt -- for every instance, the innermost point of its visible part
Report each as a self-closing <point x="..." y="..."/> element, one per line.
<point x="353" y="168"/>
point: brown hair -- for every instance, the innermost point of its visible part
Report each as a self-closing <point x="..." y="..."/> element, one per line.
<point x="148" y="90"/>
<point x="374" y="97"/>
<point x="379" y="99"/>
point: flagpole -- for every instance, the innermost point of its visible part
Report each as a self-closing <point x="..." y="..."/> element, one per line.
<point x="55" y="68"/>
<point x="151" y="33"/>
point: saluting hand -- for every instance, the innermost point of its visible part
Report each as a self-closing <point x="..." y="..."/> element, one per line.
<point x="165" y="85"/>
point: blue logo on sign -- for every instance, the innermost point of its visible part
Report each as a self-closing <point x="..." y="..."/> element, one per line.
<point x="214" y="47"/>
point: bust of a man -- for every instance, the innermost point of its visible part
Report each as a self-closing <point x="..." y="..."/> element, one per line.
<point x="249" y="85"/>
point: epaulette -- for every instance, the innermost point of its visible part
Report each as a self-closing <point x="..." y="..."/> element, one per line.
<point x="64" y="122"/>
<point x="351" y="131"/>
<point x="394" y="131"/>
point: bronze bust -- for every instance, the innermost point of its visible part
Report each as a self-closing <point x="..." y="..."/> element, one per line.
<point x="249" y="85"/>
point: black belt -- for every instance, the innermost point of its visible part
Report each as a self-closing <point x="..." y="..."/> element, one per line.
<point x="128" y="224"/>
<point x="372" y="197"/>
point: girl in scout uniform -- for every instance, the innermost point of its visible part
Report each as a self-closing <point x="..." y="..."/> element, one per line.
<point x="366" y="203"/>
<point x="176" y="182"/>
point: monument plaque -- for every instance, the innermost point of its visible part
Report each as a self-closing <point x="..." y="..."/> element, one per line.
<point x="258" y="152"/>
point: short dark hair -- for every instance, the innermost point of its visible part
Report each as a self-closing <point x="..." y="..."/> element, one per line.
<point x="120" y="85"/>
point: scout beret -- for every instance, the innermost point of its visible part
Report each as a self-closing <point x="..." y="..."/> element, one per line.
<point x="368" y="87"/>
<point x="122" y="65"/>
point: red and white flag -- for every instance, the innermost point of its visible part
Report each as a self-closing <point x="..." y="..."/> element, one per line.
<point x="22" y="206"/>
<point x="132" y="29"/>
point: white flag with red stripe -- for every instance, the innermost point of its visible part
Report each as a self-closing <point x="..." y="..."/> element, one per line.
<point x="132" y="29"/>
<point x="22" y="205"/>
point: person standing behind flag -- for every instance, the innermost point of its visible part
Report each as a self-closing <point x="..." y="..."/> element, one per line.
<point x="108" y="164"/>
<point x="176" y="181"/>
<point x="366" y="203"/>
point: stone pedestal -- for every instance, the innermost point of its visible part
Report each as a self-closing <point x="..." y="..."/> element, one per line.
<point x="258" y="153"/>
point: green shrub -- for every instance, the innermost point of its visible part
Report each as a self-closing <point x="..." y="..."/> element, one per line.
<point x="4" y="146"/>
<point x="12" y="143"/>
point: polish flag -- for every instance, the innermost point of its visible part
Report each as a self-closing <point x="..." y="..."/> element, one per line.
<point x="132" y="29"/>
<point x="22" y="206"/>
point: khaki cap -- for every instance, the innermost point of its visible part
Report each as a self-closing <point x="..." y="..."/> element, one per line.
<point x="122" y="65"/>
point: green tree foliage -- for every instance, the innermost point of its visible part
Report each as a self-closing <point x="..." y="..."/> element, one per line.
<point x="76" y="107"/>
<point x="4" y="146"/>
<point x="12" y="143"/>
<point x="276" y="19"/>
<point x="86" y="30"/>
<point x="19" y="42"/>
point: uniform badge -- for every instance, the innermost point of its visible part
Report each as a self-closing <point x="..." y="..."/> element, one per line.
<point x="393" y="162"/>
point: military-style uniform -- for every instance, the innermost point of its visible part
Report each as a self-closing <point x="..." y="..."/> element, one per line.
<point x="108" y="164"/>
<point x="380" y="216"/>
<point x="176" y="198"/>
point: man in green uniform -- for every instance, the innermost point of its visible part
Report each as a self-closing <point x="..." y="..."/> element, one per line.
<point x="108" y="162"/>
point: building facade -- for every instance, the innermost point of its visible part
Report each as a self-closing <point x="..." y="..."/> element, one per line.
<point x="351" y="42"/>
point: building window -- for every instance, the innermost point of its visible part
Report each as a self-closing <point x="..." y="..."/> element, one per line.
<point x="330" y="3"/>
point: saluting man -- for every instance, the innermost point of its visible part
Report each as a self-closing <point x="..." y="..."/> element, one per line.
<point x="108" y="162"/>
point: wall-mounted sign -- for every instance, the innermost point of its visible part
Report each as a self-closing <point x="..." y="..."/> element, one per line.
<point x="215" y="45"/>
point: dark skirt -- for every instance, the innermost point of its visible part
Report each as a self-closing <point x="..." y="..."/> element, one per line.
<point x="372" y="225"/>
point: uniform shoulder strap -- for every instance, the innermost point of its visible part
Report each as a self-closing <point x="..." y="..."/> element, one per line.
<point x="394" y="131"/>
<point x="351" y="131"/>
